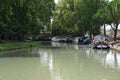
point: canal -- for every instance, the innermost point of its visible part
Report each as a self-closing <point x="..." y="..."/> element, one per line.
<point x="59" y="61"/>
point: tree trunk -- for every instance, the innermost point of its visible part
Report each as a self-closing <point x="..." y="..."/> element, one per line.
<point x="21" y="37"/>
<point x="0" y="35"/>
<point x="6" y="36"/>
<point x="104" y="30"/>
<point x="115" y="31"/>
<point x="90" y="33"/>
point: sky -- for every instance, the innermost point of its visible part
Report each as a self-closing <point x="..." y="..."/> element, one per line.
<point x="110" y="0"/>
<point x="56" y="1"/>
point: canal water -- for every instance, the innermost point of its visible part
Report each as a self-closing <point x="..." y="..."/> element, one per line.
<point x="59" y="61"/>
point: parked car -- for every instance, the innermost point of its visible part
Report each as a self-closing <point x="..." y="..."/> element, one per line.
<point x="100" y="42"/>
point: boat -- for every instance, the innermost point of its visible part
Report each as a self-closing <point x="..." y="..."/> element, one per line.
<point x="58" y="39"/>
<point x="82" y="40"/>
<point x="100" y="42"/>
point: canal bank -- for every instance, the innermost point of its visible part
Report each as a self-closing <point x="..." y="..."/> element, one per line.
<point x="18" y="45"/>
<point x="115" y="45"/>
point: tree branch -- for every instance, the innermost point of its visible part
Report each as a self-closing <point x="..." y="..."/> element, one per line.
<point x="112" y="27"/>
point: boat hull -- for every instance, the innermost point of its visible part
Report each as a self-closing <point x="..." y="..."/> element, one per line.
<point x="101" y="47"/>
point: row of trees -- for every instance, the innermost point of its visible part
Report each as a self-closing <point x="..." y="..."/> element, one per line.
<point x="19" y="18"/>
<point x="78" y="17"/>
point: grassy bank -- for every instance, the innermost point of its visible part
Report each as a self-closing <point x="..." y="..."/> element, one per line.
<point x="18" y="45"/>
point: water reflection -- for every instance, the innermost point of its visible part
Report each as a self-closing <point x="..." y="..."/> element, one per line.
<point x="74" y="62"/>
<point x="112" y="60"/>
<point x="62" y="61"/>
<point x="46" y="58"/>
<point x="107" y="58"/>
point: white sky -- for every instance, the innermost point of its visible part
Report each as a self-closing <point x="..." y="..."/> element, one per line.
<point x="56" y="1"/>
<point x="109" y="27"/>
<point x="110" y="0"/>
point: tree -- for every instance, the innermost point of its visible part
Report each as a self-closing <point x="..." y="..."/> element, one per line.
<point x="85" y="16"/>
<point x="114" y="15"/>
<point x="85" y="11"/>
<point x="19" y="18"/>
<point x="5" y="13"/>
<point x="63" y="20"/>
<point x="101" y="16"/>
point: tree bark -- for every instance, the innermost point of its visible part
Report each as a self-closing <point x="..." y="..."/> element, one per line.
<point x="0" y="35"/>
<point x="90" y="32"/>
<point x="115" y="31"/>
<point x="104" y="30"/>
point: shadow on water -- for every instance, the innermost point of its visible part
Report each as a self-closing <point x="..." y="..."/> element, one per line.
<point x="27" y="52"/>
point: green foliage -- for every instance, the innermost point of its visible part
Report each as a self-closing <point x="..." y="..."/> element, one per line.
<point x="114" y="11"/>
<point x="85" y="16"/>
<point x="63" y="20"/>
<point x="20" y="18"/>
<point x="114" y="15"/>
<point x="76" y="17"/>
<point x="24" y="17"/>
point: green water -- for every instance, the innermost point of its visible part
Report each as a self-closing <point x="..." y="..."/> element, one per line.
<point x="55" y="61"/>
